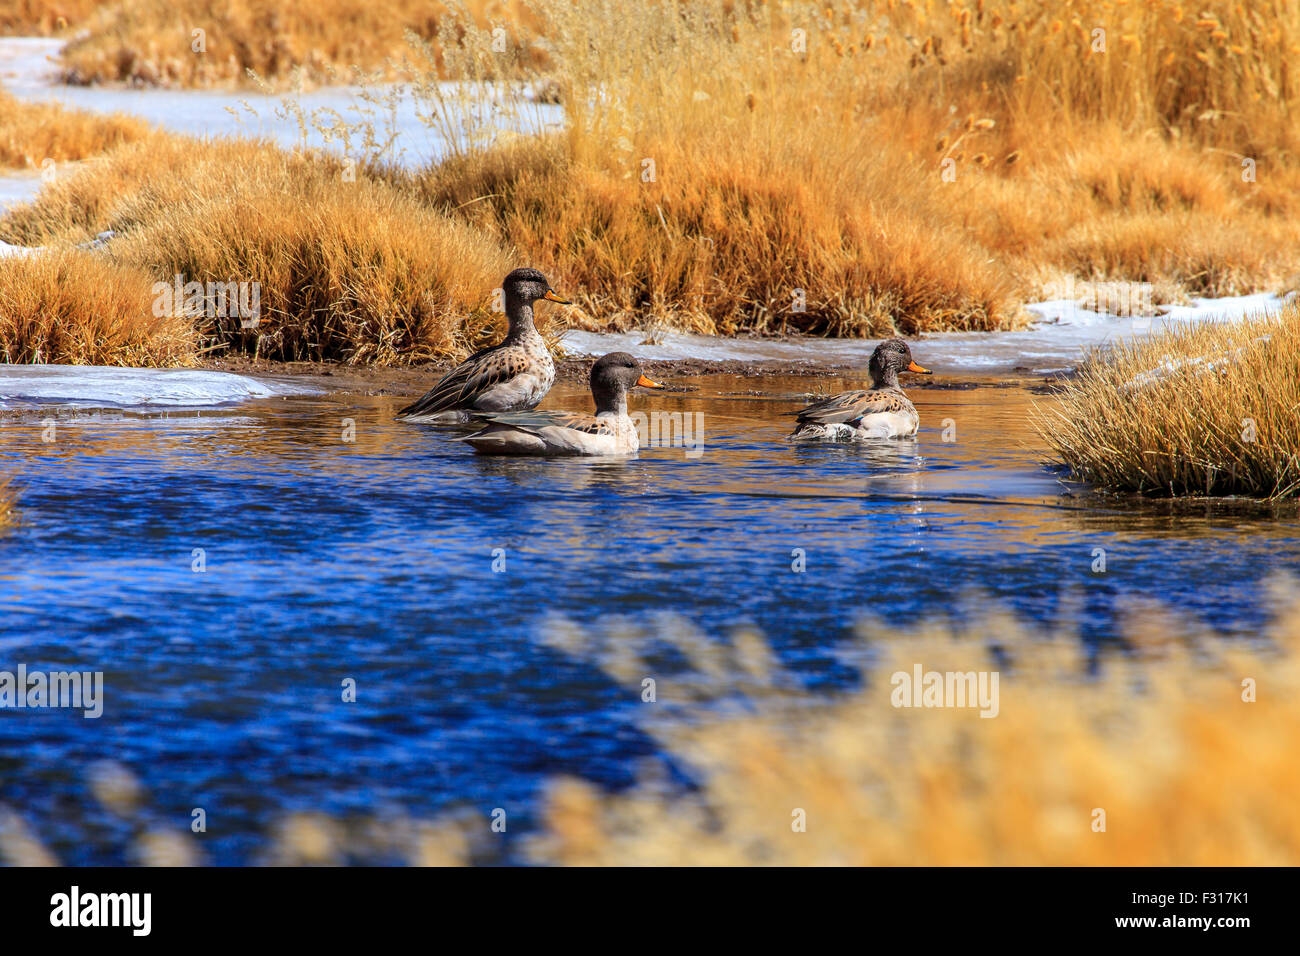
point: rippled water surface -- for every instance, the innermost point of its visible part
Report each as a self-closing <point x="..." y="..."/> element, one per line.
<point x="373" y="559"/>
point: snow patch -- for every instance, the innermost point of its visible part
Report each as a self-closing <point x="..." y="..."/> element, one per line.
<point x="16" y="188"/>
<point x="9" y="250"/>
<point x="92" y="386"/>
<point x="1197" y="363"/>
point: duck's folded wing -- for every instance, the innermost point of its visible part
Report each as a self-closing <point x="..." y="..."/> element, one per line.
<point x="471" y="378"/>
<point x="849" y="407"/>
<point x="535" y="421"/>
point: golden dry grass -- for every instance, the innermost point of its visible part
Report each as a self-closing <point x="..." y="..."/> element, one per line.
<point x="1219" y="75"/>
<point x="151" y="42"/>
<point x="352" y="270"/>
<point x="1123" y="135"/>
<point x="1194" y="410"/>
<point x="32" y="133"/>
<point x="71" y="307"/>
<point x="45" y="17"/>
<point x="723" y="246"/>
<point x="900" y="188"/>
<point x="675" y="192"/>
<point x="1161" y="739"/>
<point x="895" y="167"/>
<point x="77" y="206"/>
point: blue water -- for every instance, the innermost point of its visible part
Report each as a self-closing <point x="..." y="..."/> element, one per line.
<point x="373" y="560"/>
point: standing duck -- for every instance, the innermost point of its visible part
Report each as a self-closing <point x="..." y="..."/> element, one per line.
<point x="881" y="411"/>
<point x="555" y="434"/>
<point x="512" y="376"/>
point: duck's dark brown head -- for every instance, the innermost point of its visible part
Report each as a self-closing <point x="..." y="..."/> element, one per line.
<point x="612" y="377"/>
<point x="529" y="285"/>
<point x="891" y="357"/>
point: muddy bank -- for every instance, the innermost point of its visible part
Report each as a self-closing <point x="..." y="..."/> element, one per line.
<point x="414" y="380"/>
<point x="417" y="379"/>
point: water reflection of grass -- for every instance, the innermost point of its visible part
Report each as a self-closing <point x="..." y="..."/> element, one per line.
<point x="1206" y="410"/>
<point x="8" y="513"/>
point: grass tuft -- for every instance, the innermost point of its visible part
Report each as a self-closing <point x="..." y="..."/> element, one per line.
<point x="152" y="43"/>
<point x="32" y="133"/>
<point x="71" y="307"/>
<point x="724" y="245"/>
<point x="896" y="188"/>
<point x="1194" y="410"/>
<point x="348" y="269"/>
<point x="27" y="18"/>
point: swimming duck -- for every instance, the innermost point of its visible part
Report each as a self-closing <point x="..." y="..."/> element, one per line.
<point x="554" y="434"/>
<point x="881" y="411"/>
<point x="514" y="375"/>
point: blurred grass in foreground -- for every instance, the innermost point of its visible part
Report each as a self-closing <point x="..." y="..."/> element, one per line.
<point x="1158" y="736"/>
<point x="1160" y="739"/>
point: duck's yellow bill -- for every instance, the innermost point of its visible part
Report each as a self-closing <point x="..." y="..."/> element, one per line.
<point x="913" y="367"/>
<point x="552" y="297"/>
<point x="646" y="383"/>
